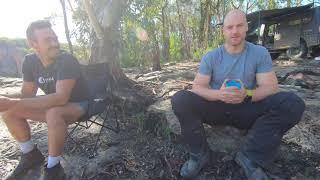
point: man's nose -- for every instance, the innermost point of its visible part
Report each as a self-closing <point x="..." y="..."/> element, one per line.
<point x="234" y="30"/>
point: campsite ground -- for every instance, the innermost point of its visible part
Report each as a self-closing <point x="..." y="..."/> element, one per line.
<point x="149" y="145"/>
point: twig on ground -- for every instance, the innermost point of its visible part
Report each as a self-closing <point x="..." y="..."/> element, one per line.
<point x="168" y="165"/>
<point x="167" y="92"/>
<point x="83" y="172"/>
<point x="186" y="82"/>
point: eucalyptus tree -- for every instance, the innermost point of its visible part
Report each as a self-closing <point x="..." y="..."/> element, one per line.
<point x="66" y="28"/>
<point x="104" y="19"/>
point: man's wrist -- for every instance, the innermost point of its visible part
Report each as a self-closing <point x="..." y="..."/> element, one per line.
<point x="249" y="94"/>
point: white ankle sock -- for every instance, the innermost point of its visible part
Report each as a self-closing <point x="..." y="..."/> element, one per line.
<point x="52" y="161"/>
<point x="26" y="147"/>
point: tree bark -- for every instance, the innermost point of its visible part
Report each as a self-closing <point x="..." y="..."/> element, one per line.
<point x="105" y="17"/>
<point x="165" y="33"/>
<point x="288" y="3"/>
<point x="155" y="50"/>
<point x="66" y="28"/>
<point x="106" y="45"/>
<point x="298" y="2"/>
<point x="183" y="34"/>
<point x="204" y="24"/>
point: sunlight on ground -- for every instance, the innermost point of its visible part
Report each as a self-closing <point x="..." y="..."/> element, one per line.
<point x="4" y="131"/>
<point x="286" y="63"/>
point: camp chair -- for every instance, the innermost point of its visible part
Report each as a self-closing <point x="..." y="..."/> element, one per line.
<point x="101" y="106"/>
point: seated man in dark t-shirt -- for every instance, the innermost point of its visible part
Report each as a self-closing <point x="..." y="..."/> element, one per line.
<point x="59" y="75"/>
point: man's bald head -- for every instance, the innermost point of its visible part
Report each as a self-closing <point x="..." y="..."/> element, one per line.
<point x="235" y="13"/>
<point x="235" y="27"/>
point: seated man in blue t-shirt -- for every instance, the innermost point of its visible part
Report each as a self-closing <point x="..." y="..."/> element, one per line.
<point x="59" y="75"/>
<point x="236" y="86"/>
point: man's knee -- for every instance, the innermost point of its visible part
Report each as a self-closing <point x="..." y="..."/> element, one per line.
<point x="54" y="117"/>
<point x="9" y="115"/>
<point x="293" y="106"/>
<point x="181" y="101"/>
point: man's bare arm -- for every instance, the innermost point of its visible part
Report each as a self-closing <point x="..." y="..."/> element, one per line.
<point x="11" y="95"/>
<point x="267" y="84"/>
<point x="201" y="87"/>
<point x="59" y="98"/>
<point x="7" y="101"/>
<point x="29" y="89"/>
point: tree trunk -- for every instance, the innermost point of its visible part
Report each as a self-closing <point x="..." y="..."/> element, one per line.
<point x="66" y="29"/>
<point x="288" y="3"/>
<point x="165" y="33"/>
<point x="156" y="57"/>
<point x="298" y="2"/>
<point x="106" y="48"/>
<point x="204" y="24"/>
<point x="155" y="49"/>
<point x="185" y="45"/>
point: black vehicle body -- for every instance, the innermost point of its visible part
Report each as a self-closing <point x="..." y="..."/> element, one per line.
<point x="294" y="31"/>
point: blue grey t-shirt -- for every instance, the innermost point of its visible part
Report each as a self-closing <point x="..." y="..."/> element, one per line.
<point x="221" y="65"/>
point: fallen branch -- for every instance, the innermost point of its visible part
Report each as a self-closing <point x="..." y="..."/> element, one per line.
<point x="186" y="82"/>
<point x="168" y="165"/>
<point x="167" y="92"/>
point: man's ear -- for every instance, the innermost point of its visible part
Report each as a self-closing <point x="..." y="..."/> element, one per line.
<point x="247" y="27"/>
<point x="223" y="29"/>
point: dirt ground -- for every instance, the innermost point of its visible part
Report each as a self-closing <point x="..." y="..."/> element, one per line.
<point x="137" y="152"/>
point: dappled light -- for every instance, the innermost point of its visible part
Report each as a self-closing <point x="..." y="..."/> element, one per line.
<point x="142" y="34"/>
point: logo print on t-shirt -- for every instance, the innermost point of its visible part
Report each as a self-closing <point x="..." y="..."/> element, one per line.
<point x="43" y="80"/>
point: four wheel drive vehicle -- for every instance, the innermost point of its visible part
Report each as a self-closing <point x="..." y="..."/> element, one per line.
<point x="294" y="31"/>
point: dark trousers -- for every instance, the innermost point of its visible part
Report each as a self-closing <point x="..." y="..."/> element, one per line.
<point x="267" y="121"/>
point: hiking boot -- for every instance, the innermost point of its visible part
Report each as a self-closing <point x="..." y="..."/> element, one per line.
<point x="54" y="173"/>
<point x="252" y="170"/>
<point x="27" y="162"/>
<point x="195" y="163"/>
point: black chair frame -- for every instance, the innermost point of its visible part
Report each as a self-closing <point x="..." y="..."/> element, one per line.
<point x="100" y="106"/>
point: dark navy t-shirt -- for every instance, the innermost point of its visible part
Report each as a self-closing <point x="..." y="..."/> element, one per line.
<point x="64" y="67"/>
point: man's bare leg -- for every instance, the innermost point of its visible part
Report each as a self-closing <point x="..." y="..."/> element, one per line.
<point x="58" y="119"/>
<point x="15" y="120"/>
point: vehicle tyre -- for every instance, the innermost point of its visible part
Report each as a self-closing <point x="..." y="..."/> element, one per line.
<point x="274" y="55"/>
<point x="315" y="51"/>
<point x="298" y="52"/>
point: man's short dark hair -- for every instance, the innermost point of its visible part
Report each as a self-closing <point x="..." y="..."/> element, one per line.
<point x="39" y="24"/>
